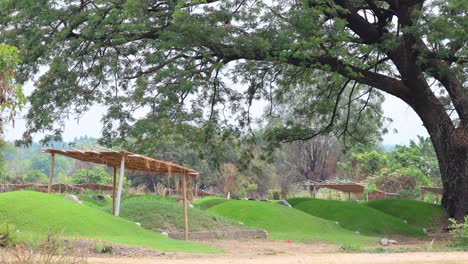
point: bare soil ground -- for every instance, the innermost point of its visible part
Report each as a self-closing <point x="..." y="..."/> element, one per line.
<point x="336" y="258"/>
<point x="281" y="252"/>
<point x="266" y="251"/>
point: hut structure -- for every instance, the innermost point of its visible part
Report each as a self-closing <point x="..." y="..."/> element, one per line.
<point x="130" y="161"/>
<point x="434" y="190"/>
<point x="350" y="188"/>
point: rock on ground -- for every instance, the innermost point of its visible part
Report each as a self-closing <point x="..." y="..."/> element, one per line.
<point x="284" y="203"/>
<point x="73" y="198"/>
<point x="385" y="241"/>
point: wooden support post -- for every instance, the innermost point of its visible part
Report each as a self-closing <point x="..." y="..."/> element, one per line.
<point x="349" y="196"/>
<point x="184" y="193"/>
<point x="114" y="189"/>
<point x="119" y="189"/>
<point x="51" y="174"/>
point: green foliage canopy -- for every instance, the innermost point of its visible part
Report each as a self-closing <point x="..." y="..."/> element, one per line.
<point x="11" y="95"/>
<point x="168" y="59"/>
<point x="171" y="59"/>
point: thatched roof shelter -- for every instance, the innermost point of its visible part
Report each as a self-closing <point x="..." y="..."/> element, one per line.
<point x="355" y="188"/>
<point x="435" y="190"/>
<point x="113" y="158"/>
<point x="126" y="160"/>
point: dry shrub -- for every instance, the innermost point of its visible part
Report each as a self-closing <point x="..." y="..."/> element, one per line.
<point x="7" y="235"/>
<point x="49" y="252"/>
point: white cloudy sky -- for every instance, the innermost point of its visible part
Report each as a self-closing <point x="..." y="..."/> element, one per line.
<point x="405" y="120"/>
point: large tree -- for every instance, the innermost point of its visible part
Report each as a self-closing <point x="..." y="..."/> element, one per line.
<point x="168" y="57"/>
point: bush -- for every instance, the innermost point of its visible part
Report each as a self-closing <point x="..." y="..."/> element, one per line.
<point x="35" y="176"/>
<point x="274" y="194"/>
<point x="410" y="193"/>
<point x="7" y="235"/>
<point x="460" y="232"/>
<point x="103" y="249"/>
<point x="251" y="188"/>
<point x="50" y="251"/>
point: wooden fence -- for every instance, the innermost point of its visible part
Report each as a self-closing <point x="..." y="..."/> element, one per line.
<point x="57" y="188"/>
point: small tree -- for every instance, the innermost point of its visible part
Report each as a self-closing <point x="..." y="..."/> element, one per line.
<point x="369" y="163"/>
<point x="95" y="175"/>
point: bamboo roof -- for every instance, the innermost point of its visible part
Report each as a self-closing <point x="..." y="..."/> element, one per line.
<point x="346" y="187"/>
<point x="436" y="190"/>
<point x="113" y="158"/>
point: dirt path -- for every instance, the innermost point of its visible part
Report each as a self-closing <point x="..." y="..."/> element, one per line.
<point x="279" y="252"/>
<point x="266" y="251"/>
<point x="335" y="258"/>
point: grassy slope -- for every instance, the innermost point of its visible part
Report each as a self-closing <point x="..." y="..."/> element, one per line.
<point x="417" y="213"/>
<point x="287" y="223"/>
<point x="297" y="200"/>
<point x="165" y="214"/>
<point x="89" y="201"/>
<point x="355" y="216"/>
<point x="35" y="213"/>
<point x="208" y="202"/>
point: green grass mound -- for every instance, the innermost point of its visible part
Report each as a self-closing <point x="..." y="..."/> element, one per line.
<point x="34" y="214"/>
<point x="167" y="215"/>
<point x="287" y="223"/>
<point x="89" y="200"/>
<point x="297" y="200"/>
<point x="417" y="213"/>
<point x="358" y="217"/>
<point x="208" y="202"/>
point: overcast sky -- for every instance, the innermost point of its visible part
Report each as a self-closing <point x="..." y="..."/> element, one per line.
<point x="405" y="120"/>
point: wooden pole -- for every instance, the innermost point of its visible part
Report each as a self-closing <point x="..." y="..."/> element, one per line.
<point x="114" y="189"/>
<point x="184" y="193"/>
<point x="119" y="189"/>
<point x="51" y="174"/>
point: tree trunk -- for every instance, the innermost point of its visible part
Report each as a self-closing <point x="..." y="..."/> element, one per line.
<point x="452" y="155"/>
<point x="454" y="171"/>
<point x="451" y="147"/>
<point x="450" y="144"/>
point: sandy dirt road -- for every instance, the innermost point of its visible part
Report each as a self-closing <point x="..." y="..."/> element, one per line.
<point x="279" y="252"/>
<point x="327" y="258"/>
<point x="271" y="252"/>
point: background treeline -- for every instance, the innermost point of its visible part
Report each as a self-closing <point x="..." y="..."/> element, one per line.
<point x="242" y="168"/>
